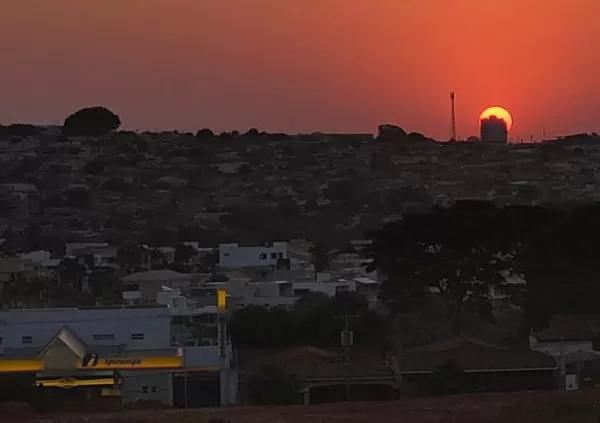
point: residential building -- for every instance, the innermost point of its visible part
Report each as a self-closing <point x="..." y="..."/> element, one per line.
<point x="118" y="351"/>
<point x="194" y="320"/>
<point x="11" y="269"/>
<point x="324" y="284"/>
<point x="572" y="340"/>
<point x="242" y="292"/>
<point x="325" y="374"/>
<point x="235" y="255"/>
<point x="102" y="254"/>
<point x="37" y="257"/>
<point x="73" y="248"/>
<point x="143" y="287"/>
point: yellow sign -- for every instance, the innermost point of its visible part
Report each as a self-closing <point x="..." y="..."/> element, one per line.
<point x="9" y="366"/>
<point x="221" y="300"/>
<point x="110" y="392"/>
<point x="93" y="362"/>
<point x="70" y="383"/>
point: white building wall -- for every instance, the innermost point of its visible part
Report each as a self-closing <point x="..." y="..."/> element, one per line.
<point x="156" y="385"/>
<point x="232" y="255"/>
<point x="72" y="247"/>
<point x="95" y="327"/>
<point x="37" y="257"/>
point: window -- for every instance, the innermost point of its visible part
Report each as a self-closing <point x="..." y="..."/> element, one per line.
<point x="144" y="389"/>
<point x="280" y="255"/>
<point x="273" y="255"/>
<point x="262" y="256"/>
<point x="153" y="389"/>
<point x="137" y="336"/>
<point x="26" y="340"/>
<point x="103" y="337"/>
<point x="1" y="339"/>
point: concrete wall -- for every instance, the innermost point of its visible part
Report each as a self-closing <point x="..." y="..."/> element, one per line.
<point x="151" y="385"/>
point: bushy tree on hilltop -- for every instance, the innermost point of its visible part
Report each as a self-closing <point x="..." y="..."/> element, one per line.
<point x="91" y="121"/>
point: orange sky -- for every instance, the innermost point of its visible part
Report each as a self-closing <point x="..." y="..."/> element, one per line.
<point x="304" y="65"/>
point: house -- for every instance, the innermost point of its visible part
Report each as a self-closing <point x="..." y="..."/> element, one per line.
<point x="37" y="257"/>
<point x="325" y="374"/>
<point x="101" y="253"/>
<point x="572" y="340"/>
<point x="194" y="321"/>
<point x="487" y="367"/>
<point x="234" y="255"/>
<point x="325" y="284"/>
<point x="322" y="373"/>
<point x="143" y="287"/>
<point x="243" y="292"/>
<point x="11" y="269"/>
<point x="78" y="248"/>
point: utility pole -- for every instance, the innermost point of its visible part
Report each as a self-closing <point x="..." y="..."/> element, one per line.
<point x="346" y="344"/>
<point x="452" y="117"/>
<point x="347" y="341"/>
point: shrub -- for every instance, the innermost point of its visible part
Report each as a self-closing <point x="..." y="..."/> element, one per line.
<point x="273" y="387"/>
<point x="94" y="167"/>
<point x="447" y="379"/>
<point x="205" y="134"/>
<point x="91" y="121"/>
<point x="24" y="130"/>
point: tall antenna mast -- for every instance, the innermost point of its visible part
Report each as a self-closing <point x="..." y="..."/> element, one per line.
<point x="452" y="117"/>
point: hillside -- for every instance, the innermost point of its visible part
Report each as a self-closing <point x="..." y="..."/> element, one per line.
<point x="267" y="186"/>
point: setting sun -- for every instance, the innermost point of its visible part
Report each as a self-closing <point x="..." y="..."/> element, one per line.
<point x="500" y="113"/>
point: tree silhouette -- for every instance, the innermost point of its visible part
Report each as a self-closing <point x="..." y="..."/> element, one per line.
<point x="321" y="256"/>
<point x="455" y="251"/>
<point x="558" y="258"/>
<point x="183" y="255"/>
<point x="91" y="121"/>
<point x="315" y="319"/>
<point x="130" y="257"/>
<point x="105" y="287"/>
<point x="273" y="387"/>
<point x="205" y="134"/>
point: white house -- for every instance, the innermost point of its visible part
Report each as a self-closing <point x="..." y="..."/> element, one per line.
<point x="571" y="341"/>
<point x="243" y="292"/>
<point x="194" y="321"/>
<point x="143" y="287"/>
<point x="234" y="256"/>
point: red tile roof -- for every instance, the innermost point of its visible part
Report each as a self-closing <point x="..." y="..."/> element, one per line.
<point x="473" y="355"/>
<point x="316" y="363"/>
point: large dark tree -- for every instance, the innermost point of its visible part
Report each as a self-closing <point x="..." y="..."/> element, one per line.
<point x="91" y="121"/>
<point x="460" y="252"/>
<point x="558" y="258"/>
<point x="321" y="255"/>
<point x="315" y="319"/>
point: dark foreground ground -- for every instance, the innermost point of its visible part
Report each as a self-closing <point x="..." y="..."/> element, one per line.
<point x="538" y="407"/>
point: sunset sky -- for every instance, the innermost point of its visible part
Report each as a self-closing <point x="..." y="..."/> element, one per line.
<point x="304" y="65"/>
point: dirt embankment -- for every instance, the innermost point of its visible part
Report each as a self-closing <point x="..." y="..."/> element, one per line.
<point x="537" y="407"/>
